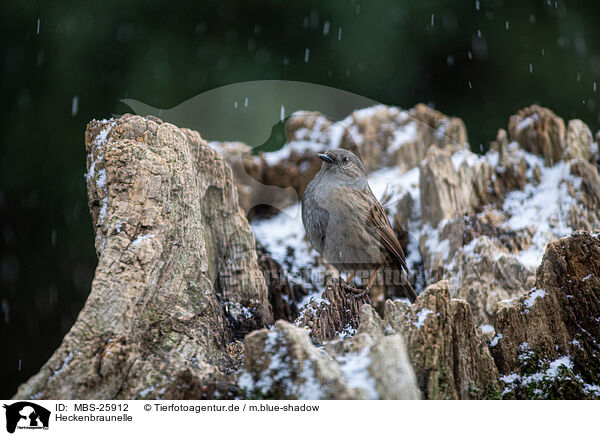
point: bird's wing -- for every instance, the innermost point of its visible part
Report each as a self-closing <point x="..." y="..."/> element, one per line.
<point x="370" y="213"/>
<point x="379" y="222"/>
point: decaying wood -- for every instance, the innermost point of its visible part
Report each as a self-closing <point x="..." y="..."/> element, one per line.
<point x="177" y="279"/>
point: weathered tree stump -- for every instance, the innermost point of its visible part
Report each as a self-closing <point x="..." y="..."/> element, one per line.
<point x="177" y="279"/>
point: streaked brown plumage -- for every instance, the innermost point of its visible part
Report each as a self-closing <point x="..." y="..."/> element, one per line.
<point x="344" y="221"/>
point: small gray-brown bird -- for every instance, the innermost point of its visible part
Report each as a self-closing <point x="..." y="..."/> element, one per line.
<point x="346" y="224"/>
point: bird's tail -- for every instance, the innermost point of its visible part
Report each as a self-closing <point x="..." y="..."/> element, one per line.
<point x="408" y="290"/>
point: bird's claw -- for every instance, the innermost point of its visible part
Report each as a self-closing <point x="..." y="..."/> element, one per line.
<point x="355" y="292"/>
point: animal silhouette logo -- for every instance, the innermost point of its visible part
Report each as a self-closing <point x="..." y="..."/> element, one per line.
<point x="26" y="415"/>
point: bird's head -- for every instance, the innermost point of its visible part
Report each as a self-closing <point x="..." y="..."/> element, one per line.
<point x="342" y="163"/>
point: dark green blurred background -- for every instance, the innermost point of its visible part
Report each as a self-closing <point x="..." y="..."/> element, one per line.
<point x="481" y="61"/>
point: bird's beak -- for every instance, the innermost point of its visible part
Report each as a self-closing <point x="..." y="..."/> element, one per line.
<point x="325" y="157"/>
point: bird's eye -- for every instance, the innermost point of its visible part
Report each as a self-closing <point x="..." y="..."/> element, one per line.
<point x="344" y="159"/>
